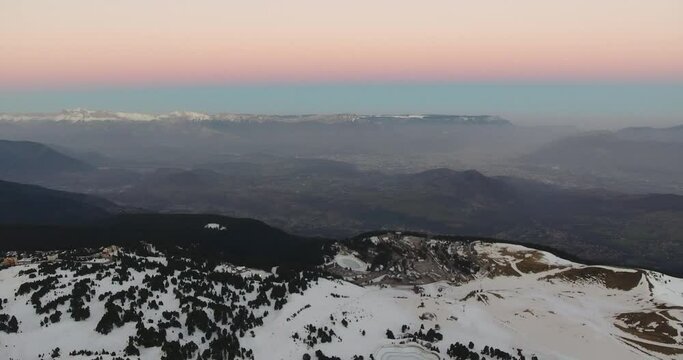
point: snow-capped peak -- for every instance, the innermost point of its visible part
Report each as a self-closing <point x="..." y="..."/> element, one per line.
<point x="188" y="115"/>
<point x="84" y="115"/>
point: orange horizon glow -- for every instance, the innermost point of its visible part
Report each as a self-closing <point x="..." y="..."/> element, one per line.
<point x="54" y="43"/>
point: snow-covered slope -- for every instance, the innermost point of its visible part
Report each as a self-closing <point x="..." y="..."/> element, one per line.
<point x="390" y="296"/>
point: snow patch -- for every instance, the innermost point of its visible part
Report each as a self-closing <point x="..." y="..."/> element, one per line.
<point x="351" y="262"/>
<point x="214" y="226"/>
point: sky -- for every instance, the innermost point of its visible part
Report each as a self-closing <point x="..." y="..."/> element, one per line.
<point x="156" y="52"/>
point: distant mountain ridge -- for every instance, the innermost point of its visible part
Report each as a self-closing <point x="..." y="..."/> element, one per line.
<point x="608" y="149"/>
<point x="80" y="114"/>
<point x="668" y="134"/>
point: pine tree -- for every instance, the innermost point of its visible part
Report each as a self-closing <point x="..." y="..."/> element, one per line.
<point x="130" y="349"/>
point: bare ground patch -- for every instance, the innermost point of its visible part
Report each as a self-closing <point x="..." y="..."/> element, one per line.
<point x="666" y="350"/>
<point x="649" y="326"/>
<point x="611" y="279"/>
<point x="533" y="263"/>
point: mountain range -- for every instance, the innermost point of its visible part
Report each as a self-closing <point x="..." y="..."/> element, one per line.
<point x="84" y="115"/>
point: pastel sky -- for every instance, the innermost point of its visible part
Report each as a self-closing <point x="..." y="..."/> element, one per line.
<point x="76" y="45"/>
<point x="54" y="43"/>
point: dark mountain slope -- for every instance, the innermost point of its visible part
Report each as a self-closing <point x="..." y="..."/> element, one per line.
<point x="21" y="160"/>
<point x="240" y="241"/>
<point x="29" y="204"/>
